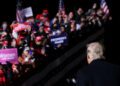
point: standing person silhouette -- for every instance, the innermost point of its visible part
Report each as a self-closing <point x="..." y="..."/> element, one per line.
<point x="98" y="72"/>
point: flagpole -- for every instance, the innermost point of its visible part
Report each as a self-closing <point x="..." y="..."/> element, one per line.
<point x="19" y="16"/>
<point x="61" y="6"/>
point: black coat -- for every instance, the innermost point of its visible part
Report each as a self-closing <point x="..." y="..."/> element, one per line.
<point x="99" y="73"/>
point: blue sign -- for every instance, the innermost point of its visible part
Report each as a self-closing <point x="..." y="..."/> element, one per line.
<point x="59" y="39"/>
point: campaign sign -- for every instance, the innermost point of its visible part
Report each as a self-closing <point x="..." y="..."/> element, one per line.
<point x="9" y="55"/>
<point x="59" y="39"/>
<point x="28" y="12"/>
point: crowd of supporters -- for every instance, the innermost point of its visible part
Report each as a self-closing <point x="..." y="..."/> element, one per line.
<point x="33" y="39"/>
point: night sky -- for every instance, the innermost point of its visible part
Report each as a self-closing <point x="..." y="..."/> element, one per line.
<point x="8" y="11"/>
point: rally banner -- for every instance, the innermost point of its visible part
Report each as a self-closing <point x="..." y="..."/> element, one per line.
<point x="59" y="39"/>
<point x="9" y="55"/>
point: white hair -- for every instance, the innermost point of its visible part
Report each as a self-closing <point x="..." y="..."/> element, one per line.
<point x="95" y="50"/>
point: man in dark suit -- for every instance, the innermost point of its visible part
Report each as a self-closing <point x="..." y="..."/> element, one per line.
<point x="98" y="72"/>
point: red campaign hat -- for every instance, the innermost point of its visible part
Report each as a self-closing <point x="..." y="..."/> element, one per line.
<point x="47" y="29"/>
<point x="41" y="17"/>
<point x="5" y="43"/>
<point x="38" y="16"/>
<point x="26" y="23"/>
<point x="21" y="37"/>
<point x="45" y="11"/>
<point x="38" y="38"/>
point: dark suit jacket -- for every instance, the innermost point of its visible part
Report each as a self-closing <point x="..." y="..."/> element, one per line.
<point x="99" y="73"/>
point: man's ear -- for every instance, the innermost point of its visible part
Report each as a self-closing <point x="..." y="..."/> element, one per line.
<point x="88" y="57"/>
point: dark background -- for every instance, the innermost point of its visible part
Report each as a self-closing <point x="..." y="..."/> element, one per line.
<point x="8" y="7"/>
<point x="8" y="13"/>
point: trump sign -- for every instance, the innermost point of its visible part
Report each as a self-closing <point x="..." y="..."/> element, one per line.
<point x="9" y="55"/>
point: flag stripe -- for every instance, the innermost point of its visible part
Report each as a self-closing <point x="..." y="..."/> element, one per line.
<point x="104" y="6"/>
<point x="61" y="5"/>
<point x="19" y="17"/>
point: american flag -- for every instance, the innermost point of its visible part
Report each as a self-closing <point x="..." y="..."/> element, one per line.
<point x="61" y="5"/>
<point x="19" y="17"/>
<point x="104" y="6"/>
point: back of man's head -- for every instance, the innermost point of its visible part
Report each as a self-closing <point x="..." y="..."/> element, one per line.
<point x="94" y="51"/>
